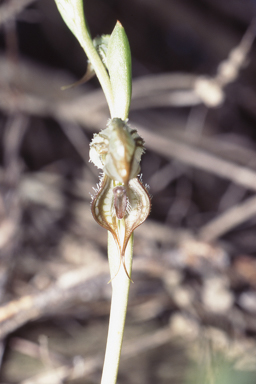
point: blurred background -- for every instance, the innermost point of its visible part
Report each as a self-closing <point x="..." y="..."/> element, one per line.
<point x="192" y="311"/>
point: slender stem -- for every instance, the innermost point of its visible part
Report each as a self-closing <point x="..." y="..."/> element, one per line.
<point x="120" y="294"/>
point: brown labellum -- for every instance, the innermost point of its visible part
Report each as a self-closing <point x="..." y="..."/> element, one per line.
<point x="120" y="201"/>
<point x="110" y="205"/>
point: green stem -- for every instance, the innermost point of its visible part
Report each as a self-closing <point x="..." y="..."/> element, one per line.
<point x="119" y="301"/>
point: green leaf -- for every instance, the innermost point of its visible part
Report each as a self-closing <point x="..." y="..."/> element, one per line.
<point x="119" y="67"/>
<point x="72" y="13"/>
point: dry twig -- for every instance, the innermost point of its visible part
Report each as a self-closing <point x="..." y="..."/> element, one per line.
<point x="229" y="220"/>
<point x="18" y="312"/>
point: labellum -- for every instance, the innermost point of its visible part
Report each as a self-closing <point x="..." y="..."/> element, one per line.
<point x="111" y="201"/>
<point x="120" y="201"/>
